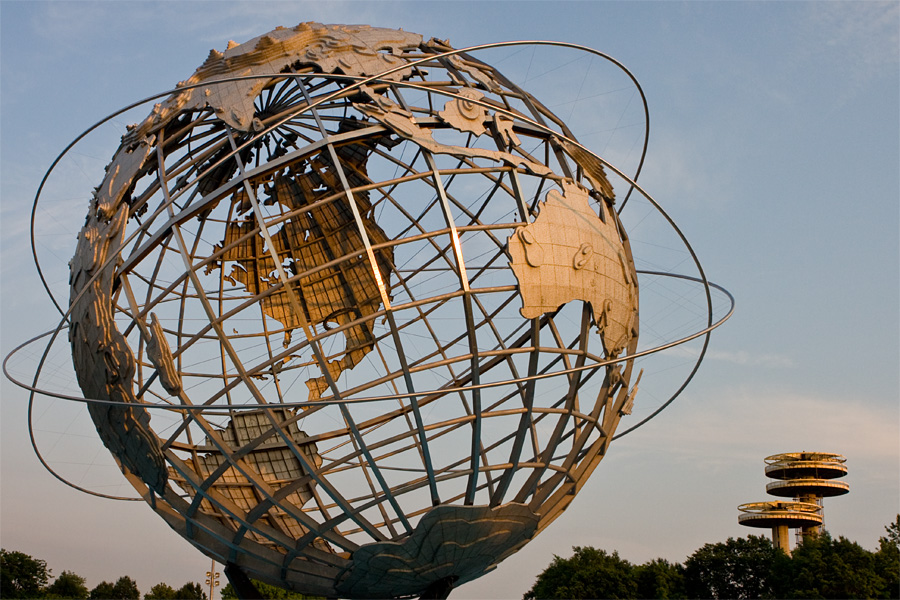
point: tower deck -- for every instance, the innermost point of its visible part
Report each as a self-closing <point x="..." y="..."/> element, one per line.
<point x="768" y="515"/>
<point x="807" y="488"/>
<point x="803" y="465"/>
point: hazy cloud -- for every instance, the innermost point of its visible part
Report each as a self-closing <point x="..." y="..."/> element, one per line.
<point x="740" y="357"/>
<point x="749" y="420"/>
<point x="862" y="38"/>
<point x="865" y="32"/>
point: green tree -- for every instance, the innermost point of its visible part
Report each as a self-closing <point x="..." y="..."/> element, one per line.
<point x="738" y="568"/>
<point x="161" y="591"/>
<point x="123" y="589"/>
<point x="887" y="559"/>
<point x="893" y="533"/>
<point x="659" y="579"/>
<point x="822" y="567"/>
<point x="589" y="573"/>
<point x="102" y="591"/>
<point x="21" y="576"/>
<point x="269" y="592"/>
<point x="68" y="585"/>
<point x="190" y="591"/>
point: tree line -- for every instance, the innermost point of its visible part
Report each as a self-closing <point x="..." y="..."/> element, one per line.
<point x="751" y="567"/>
<point x="23" y="576"/>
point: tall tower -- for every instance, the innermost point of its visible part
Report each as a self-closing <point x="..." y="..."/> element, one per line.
<point x="807" y="477"/>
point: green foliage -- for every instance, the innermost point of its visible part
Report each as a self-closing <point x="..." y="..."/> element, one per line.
<point x="659" y="579"/>
<point x="751" y="567"/>
<point x="893" y="534"/>
<point x="738" y="568"/>
<point x="68" y="585"/>
<point x="21" y="576"/>
<point x="887" y="560"/>
<point x="823" y="567"/>
<point x="269" y="592"/>
<point x="102" y="590"/>
<point x="820" y="567"/>
<point x="589" y="573"/>
<point x="191" y="591"/>
<point x="163" y="591"/>
<point x="124" y="588"/>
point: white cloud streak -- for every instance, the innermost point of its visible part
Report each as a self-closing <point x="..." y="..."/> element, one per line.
<point x="740" y="357"/>
<point x="860" y="37"/>
<point x="748" y="421"/>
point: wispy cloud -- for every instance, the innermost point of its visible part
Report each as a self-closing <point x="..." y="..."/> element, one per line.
<point x="752" y="360"/>
<point x="242" y="21"/>
<point x="861" y="40"/>
<point x="740" y="357"/>
<point x="70" y="23"/>
<point x="866" y="32"/>
<point x="743" y="422"/>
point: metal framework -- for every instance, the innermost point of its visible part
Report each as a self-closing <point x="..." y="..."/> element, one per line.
<point x="379" y="299"/>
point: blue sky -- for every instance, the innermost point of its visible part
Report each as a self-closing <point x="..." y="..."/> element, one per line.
<point x="774" y="144"/>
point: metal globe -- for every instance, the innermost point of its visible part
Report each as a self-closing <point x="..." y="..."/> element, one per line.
<point x="379" y="300"/>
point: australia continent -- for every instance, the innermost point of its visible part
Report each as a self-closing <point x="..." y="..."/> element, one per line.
<point x="570" y="252"/>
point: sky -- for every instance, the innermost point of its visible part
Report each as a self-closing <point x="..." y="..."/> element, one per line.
<point x="774" y="144"/>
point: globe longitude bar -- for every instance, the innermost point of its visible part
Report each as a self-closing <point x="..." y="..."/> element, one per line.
<point x="385" y="299"/>
<point x="356" y="436"/>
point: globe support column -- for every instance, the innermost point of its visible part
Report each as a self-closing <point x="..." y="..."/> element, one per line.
<point x="241" y="583"/>
<point x="439" y="590"/>
<point x="245" y="590"/>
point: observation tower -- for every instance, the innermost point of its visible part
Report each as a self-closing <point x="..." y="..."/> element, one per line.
<point x="807" y="478"/>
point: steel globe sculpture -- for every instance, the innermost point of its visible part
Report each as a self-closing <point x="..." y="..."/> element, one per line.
<point x="379" y="300"/>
